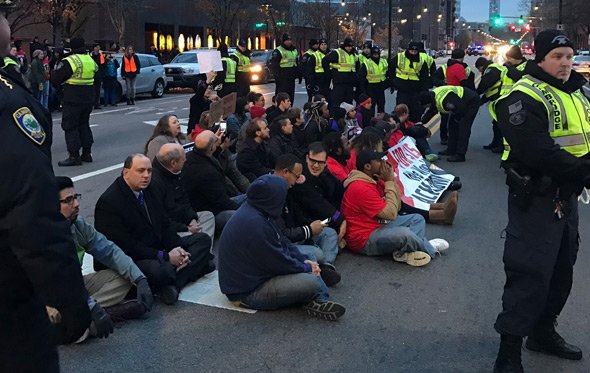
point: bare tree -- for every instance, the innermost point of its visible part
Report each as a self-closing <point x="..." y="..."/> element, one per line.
<point x="118" y="12"/>
<point x="66" y="17"/>
<point x="223" y="13"/>
<point x="24" y="13"/>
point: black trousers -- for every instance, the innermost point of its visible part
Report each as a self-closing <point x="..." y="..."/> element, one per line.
<point x="162" y="273"/>
<point x="539" y="255"/>
<point x="242" y="83"/>
<point x="411" y="99"/>
<point x="311" y="89"/>
<point x="377" y="94"/>
<point x="323" y="83"/>
<point x="342" y="93"/>
<point x="497" y="139"/>
<point x="75" y="122"/>
<point x="460" y="129"/>
<point x="285" y="84"/>
<point x="226" y="89"/>
<point x="97" y="84"/>
<point x="444" y="127"/>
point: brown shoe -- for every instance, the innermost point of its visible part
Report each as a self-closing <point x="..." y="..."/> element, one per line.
<point x="444" y="213"/>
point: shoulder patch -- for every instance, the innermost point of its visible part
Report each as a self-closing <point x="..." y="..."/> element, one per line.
<point x="26" y="121"/>
<point x="515" y="107"/>
<point x="518" y="118"/>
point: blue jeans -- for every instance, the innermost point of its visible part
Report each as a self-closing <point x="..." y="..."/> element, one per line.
<point x="44" y="98"/>
<point x="406" y="233"/>
<point x="287" y="290"/>
<point x="110" y="95"/>
<point x="325" y="248"/>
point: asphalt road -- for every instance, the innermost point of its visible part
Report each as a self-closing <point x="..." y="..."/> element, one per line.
<point x="436" y="318"/>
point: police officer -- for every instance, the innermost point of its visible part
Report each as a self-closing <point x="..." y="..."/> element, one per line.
<point x="462" y="105"/>
<point x="344" y="64"/>
<point x="430" y="63"/>
<point x="226" y="79"/>
<point x="76" y="73"/>
<point x="321" y="77"/>
<point x="307" y="67"/>
<point x="39" y="265"/>
<point x="284" y="66"/>
<point x="490" y="86"/>
<point x="409" y="75"/>
<point x="242" y="58"/>
<point x="365" y="52"/>
<point x="545" y="119"/>
<point x="372" y="79"/>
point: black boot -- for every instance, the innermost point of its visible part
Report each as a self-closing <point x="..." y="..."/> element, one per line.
<point x="546" y="340"/>
<point x="128" y="310"/>
<point x="128" y="101"/>
<point x="72" y="160"/>
<point x="329" y="274"/>
<point x="132" y="101"/>
<point x="509" y="357"/>
<point x="456" y="158"/>
<point x="86" y="156"/>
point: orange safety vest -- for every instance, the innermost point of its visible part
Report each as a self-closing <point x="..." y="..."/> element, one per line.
<point x="102" y="61"/>
<point x="130" y="65"/>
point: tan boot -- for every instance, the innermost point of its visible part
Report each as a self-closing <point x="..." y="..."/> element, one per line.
<point x="444" y="213"/>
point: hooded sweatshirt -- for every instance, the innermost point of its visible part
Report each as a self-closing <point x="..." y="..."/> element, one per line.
<point x="367" y="205"/>
<point x="252" y="248"/>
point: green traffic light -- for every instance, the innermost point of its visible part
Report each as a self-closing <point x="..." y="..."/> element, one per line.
<point x="259" y="25"/>
<point x="521" y="20"/>
<point x="498" y="21"/>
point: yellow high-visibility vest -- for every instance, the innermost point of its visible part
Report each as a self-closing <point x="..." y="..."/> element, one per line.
<point x="230" y="74"/>
<point x="376" y="72"/>
<point x="288" y="58"/>
<point x="440" y="93"/>
<point x="404" y="71"/>
<point x="83" y="67"/>
<point x="243" y="62"/>
<point x="346" y="62"/>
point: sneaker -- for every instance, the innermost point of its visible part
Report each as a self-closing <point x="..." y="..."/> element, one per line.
<point x="431" y="157"/>
<point x="329" y="311"/>
<point x="169" y="295"/>
<point x="439" y="245"/>
<point x="414" y="259"/>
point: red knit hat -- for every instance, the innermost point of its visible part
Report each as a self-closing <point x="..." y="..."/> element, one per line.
<point x="256" y="112"/>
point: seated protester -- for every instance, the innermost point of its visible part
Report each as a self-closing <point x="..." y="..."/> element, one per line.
<point x="204" y="181"/>
<point x="281" y="140"/>
<point x="416" y="131"/>
<point x="129" y="214"/>
<point x="166" y="131"/>
<point x="266" y="271"/>
<point x="320" y="195"/>
<point x="273" y="105"/>
<point x="375" y="228"/>
<point x="283" y="105"/>
<point x="337" y="122"/>
<point x="338" y="154"/>
<point x="168" y="188"/>
<point x="363" y="110"/>
<point x="255" y="112"/>
<point x="255" y="99"/>
<point x="313" y="238"/>
<point x="366" y="140"/>
<point x="107" y="289"/>
<point x="199" y="103"/>
<point x="203" y="125"/>
<point x="235" y="183"/>
<point x="254" y="157"/>
<point x="352" y="126"/>
<point x="316" y="126"/>
<point x="298" y="121"/>
<point x="239" y="117"/>
<point x="382" y="129"/>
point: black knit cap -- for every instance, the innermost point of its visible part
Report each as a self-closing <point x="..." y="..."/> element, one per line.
<point x="313" y="42"/>
<point x="457" y="53"/>
<point x="514" y="52"/>
<point x="323" y="41"/>
<point x="414" y="46"/>
<point x="348" y="42"/>
<point x="77" y="43"/>
<point x="286" y="37"/>
<point x="548" y="40"/>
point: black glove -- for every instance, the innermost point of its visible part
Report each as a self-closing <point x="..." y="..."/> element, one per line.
<point x="102" y="321"/>
<point x="144" y="294"/>
<point x="391" y="90"/>
<point x="300" y="80"/>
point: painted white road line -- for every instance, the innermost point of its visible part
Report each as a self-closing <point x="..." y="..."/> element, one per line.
<point x="94" y="125"/>
<point x="97" y="172"/>
<point x="183" y="123"/>
<point x="108" y="111"/>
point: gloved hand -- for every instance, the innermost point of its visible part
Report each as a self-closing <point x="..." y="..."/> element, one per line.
<point x="144" y="294"/>
<point x="391" y="90"/>
<point x="102" y="321"/>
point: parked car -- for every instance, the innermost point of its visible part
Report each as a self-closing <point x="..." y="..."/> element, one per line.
<point x="151" y="79"/>
<point x="183" y="71"/>
<point x="259" y="71"/>
<point x="581" y="64"/>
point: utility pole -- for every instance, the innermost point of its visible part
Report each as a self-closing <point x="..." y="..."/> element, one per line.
<point x="389" y="31"/>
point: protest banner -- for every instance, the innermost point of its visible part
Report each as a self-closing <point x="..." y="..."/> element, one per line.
<point x="419" y="185"/>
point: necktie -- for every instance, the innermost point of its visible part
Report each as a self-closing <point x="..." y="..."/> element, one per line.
<point x="140" y="200"/>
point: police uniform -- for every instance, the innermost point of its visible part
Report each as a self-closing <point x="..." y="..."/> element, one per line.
<point x="77" y="72"/>
<point x="546" y="124"/>
<point x="307" y="66"/>
<point x="344" y="70"/>
<point x="242" y="60"/>
<point x="284" y="66"/>
<point x="38" y="264"/>
<point x="226" y="79"/>
<point x="372" y="80"/>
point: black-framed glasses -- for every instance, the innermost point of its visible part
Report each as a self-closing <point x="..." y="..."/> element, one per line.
<point x="316" y="161"/>
<point x="299" y="179"/>
<point x="70" y="199"/>
<point x="294" y="174"/>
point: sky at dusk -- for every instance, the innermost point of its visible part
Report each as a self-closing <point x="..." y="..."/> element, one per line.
<point x="477" y="10"/>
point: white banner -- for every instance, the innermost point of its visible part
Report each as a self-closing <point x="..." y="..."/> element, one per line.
<point x="420" y="182"/>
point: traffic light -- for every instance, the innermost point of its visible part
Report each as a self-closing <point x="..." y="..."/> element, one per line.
<point x="512" y="28"/>
<point x="497" y="20"/>
<point x="521" y="20"/>
<point x="260" y="25"/>
<point x="527" y="27"/>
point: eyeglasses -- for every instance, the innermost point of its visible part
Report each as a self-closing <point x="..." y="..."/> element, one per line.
<point x="70" y="199"/>
<point x="316" y="162"/>
<point x="299" y="179"/>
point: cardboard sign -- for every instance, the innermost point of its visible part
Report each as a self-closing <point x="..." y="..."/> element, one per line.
<point x="188" y="147"/>
<point x="420" y="183"/>
<point x="229" y="104"/>
<point x="216" y="111"/>
<point x="209" y="61"/>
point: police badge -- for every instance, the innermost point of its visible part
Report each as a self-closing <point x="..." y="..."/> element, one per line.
<point x="26" y="121"/>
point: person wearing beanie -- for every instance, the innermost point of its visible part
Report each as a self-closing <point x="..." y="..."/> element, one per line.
<point x="267" y="271"/>
<point x="224" y="82"/>
<point x="241" y="57"/>
<point x="315" y="69"/>
<point x="344" y="67"/>
<point x="76" y="74"/>
<point x="37" y="78"/>
<point x="257" y="112"/>
<point x="365" y="52"/>
<point x="544" y="120"/>
<point x="308" y="68"/>
<point x="373" y="75"/>
<point x="515" y="65"/>
<point x="364" y="110"/>
<point x="284" y="67"/>
<point x="409" y="75"/>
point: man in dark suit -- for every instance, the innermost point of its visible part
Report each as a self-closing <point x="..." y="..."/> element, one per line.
<point x="131" y="216"/>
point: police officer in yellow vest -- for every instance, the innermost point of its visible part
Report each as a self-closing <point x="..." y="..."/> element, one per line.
<point x="410" y="76"/>
<point x="365" y="52"/>
<point x="76" y="73"/>
<point x="462" y="105"/>
<point x="283" y="63"/>
<point x="343" y="63"/>
<point x="373" y="74"/>
<point x="242" y="58"/>
<point x="224" y="81"/>
<point x="319" y="79"/>
<point x="307" y="66"/>
<point x="546" y="120"/>
<point x="431" y="63"/>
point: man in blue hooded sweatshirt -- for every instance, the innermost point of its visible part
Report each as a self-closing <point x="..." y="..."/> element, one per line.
<point x="259" y="267"/>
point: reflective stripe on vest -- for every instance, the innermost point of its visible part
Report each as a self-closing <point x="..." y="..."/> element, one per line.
<point x="363" y="59"/>
<point x="243" y="62"/>
<point x="346" y="62"/>
<point x="9" y="61"/>
<point x="319" y="56"/>
<point x="288" y="58"/>
<point x="568" y="115"/>
<point x="428" y="59"/>
<point x="376" y="73"/>
<point x="83" y="69"/>
<point x="507" y="82"/>
<point x="440" y="93"/>
<point x="404" y="71"/>
<point x="230" y="73"/>
<point x="496" y="89"/>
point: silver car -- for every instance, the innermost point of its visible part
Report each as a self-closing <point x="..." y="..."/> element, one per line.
<point x="152" y="78"/>
<point x="582" y="65"/>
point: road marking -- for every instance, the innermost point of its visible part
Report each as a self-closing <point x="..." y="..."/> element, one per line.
<point x="110" y="111"/>
<point x="94" y="125"/>
<point x="183" y="123"/>
<point x="97" y="172"/>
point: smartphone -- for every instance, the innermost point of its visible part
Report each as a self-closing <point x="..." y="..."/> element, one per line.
<point x="326" y="221"/>
<point x="222" y="126"/>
